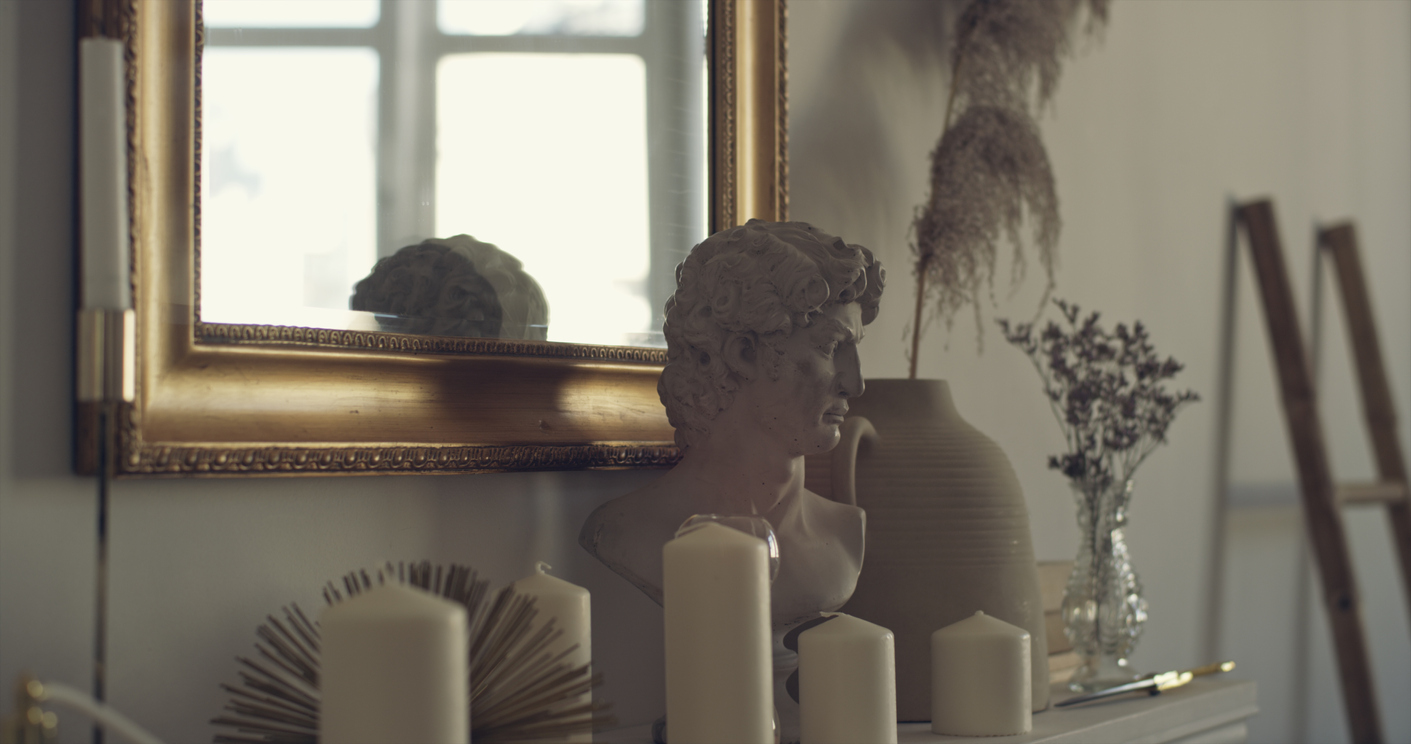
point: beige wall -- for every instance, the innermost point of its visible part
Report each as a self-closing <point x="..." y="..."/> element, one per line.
<point x="1182" y="105"/>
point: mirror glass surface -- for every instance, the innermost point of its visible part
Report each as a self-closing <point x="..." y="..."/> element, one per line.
<point x="565" y="139"/>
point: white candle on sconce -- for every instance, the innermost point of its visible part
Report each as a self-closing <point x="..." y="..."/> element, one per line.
<point x="980" y="678"/>
<point x="105" y="251"/>
<point x="719" y="667"/>
<point x="847" y="683"/>
<point x="571" y="608"/>
<point x="394" y="667"/>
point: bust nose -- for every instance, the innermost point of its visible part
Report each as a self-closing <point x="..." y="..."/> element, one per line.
<point x="849" y="373"/>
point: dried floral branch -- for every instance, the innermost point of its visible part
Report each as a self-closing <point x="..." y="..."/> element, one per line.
<point x="1105" y="390"/>
<point x="990" y="169"/>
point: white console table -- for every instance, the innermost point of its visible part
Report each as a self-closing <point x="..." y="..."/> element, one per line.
<point x="1211" y="710"/>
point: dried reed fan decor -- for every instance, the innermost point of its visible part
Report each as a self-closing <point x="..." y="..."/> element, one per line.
<point x="990" y="167"/>
<point x="518" y="690"/>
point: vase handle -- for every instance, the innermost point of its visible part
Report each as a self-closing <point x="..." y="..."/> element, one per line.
<point x="843" y="472"/>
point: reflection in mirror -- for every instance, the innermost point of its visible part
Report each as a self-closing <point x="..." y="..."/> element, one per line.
<point x="454" y="287"/>
<point x="569" y="133"/>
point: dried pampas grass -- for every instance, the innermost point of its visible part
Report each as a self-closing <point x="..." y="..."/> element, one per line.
<point x="1010" y="52"/>
<point x="990" y="171"/>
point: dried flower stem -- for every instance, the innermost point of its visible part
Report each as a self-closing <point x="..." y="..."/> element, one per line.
<point x="924" y="266"/>
<point x="916" y="322"/>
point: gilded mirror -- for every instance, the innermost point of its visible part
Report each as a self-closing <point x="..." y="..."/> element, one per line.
<point x="353" y="391"/>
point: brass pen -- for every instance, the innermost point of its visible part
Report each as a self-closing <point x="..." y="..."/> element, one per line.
<point x="1152" y="685"/>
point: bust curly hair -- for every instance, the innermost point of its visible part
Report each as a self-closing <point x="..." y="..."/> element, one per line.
<point x="766" y="279"/>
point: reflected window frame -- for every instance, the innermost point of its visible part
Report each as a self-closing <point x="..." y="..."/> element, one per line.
<point x="410" y="43"/>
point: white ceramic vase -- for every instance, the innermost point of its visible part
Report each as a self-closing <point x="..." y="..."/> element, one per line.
<point x="947" y="531"/>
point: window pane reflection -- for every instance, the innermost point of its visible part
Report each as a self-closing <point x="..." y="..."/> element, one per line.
<point x="545" y="156"/>
<point x="288" y="181"/>
<point x="543" y="17"/>
<point x="291" y="13"/>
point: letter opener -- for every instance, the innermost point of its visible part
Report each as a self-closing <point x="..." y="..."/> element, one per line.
<point x="1153" y="684"/>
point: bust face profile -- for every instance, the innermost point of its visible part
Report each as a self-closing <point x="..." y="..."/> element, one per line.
<point x="762" y="359"/>
<point x="768" y="307"/>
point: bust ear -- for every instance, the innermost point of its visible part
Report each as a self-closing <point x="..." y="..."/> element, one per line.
<point x="742" y="355"/>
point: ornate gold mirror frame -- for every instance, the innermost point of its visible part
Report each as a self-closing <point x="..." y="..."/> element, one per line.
<point x="228" y="400"/>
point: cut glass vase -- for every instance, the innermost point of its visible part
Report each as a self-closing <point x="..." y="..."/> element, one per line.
<point x="1103" y="606"/>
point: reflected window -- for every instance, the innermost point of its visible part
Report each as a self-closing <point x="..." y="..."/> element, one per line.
<point x="569" y="133"/>
<point x="288" y="178"/>
<point x="547" y="17"/>
<point x="583" y="234"/>
<point x="291" y="13"/>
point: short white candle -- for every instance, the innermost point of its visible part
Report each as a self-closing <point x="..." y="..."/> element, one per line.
<point x="719" y="668"/>
<point x="847" y="683"/>
<point x="394" y="668"/>
<point x="980" y="682"/>
<point x="102" y="112"/>
<point x="571" y="608"/>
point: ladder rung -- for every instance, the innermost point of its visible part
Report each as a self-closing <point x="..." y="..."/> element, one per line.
<point x="1376" y="492"/>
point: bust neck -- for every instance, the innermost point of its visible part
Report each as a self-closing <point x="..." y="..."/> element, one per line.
<point x="735" y="475"/>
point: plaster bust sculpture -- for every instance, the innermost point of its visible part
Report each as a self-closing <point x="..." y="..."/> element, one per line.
<point x="762" y="359"/>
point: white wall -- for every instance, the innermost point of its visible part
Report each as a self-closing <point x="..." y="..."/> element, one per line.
<point x="1183" y="104"/>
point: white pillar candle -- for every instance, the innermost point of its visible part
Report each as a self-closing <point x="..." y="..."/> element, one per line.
<point x="847" y="683"/>
<point x="571" y="608"/>
<point x="394" y="668"/>
<point x="719" y="687"/>
<point x="105" y="256"/>
<point x="980" y="683"/>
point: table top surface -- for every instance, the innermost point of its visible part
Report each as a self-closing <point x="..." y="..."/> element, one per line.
<point x="1204" y="704"/>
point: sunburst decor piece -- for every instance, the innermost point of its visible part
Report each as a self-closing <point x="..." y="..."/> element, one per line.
<point x="519" y="689"/>
<point x="990" y="169"/>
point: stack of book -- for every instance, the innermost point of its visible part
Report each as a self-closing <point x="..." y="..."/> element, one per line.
<point x="1053" y="576"/>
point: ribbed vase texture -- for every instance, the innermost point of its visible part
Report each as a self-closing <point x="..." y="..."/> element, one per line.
<point x="1103" y="606"/>
<point x="947" y="533"/>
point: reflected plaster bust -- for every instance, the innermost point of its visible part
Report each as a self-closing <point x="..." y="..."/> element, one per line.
<point x="455" y="286"/>
<point x="762" y="359"/>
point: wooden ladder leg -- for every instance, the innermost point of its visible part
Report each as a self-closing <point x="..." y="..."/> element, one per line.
<point x="1325" y="528"/>
<point x="1377" y="406"/>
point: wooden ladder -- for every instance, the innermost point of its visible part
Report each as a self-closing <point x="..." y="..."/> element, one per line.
<point x="1322" y="499"/>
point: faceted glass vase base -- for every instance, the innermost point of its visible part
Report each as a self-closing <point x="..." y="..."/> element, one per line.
<point x="1100" y="673"/>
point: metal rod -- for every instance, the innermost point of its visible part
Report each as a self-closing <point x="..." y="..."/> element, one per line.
<point x="106" y="428"/>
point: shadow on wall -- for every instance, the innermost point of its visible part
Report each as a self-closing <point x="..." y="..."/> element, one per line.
<point x="39" y="308"/>
<point x="883" y="76"/>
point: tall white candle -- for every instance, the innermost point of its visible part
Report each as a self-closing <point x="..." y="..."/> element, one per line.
<point x="847" y="683"/>
<point x="394" y="668"/>
<point x="571" y="608"/>
<point x="105" y="255"/>
<point x="980" y="683"/>
<point x="719" y="687"/>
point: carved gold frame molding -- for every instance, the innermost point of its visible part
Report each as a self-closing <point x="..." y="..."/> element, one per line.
<point x="215" y="400"/>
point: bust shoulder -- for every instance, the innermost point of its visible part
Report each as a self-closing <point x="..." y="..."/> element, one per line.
<point x="627" y="533"/>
